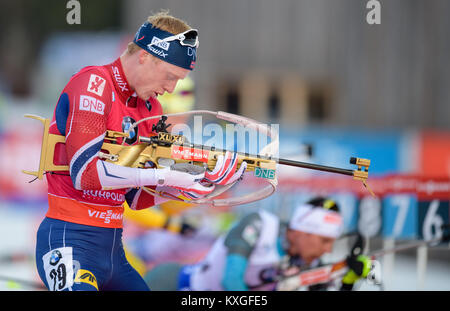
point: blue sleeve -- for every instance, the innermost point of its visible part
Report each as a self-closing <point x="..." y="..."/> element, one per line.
<point x="233" y="279"/>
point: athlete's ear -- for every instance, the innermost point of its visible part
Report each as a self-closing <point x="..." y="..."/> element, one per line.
<point x="143" y="56"/>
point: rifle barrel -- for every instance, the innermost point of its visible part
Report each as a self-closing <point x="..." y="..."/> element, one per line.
<point x="407" y="246"/>
<point x="315" y="166"/>
<point x="331" y="169"/>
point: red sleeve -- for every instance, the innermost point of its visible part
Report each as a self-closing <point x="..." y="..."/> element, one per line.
<point x="89" y="94"/>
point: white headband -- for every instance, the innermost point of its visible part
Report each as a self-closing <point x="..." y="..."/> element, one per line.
<point x="318" y="221"/>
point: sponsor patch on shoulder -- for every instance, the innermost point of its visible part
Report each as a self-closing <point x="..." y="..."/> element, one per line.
<point x="96" y="84"/>
<point x="89" y="103"/>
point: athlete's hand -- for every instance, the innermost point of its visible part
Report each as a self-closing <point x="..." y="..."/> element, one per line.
<point x="360" y="267"/>
<point x="186" y="178"/>
<point x="224" y="172"/>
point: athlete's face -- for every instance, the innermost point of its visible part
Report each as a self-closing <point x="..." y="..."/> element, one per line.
<point x="155" y="77"/>
<point x="308" y="246"/>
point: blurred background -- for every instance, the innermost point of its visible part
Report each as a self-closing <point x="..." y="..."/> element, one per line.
<point x="336" y="85"/>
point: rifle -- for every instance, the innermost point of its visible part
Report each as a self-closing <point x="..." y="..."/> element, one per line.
<point x="165" y="149"/>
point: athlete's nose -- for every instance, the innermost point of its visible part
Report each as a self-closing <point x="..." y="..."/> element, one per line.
<point x="170" y="86"/>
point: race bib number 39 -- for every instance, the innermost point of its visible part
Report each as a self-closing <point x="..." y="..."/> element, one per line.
<point x="58" y="267"/>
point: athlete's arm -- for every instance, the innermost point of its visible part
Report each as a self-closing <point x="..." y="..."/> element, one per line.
<point x="87" y="100"/>
<point x="240" y="242"/>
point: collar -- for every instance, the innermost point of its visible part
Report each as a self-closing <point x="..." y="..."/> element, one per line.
<point x="121" y="85"/>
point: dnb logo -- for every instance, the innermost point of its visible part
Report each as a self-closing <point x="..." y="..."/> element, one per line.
<point x="126" y="125"/>
<point x="55" y="257"/>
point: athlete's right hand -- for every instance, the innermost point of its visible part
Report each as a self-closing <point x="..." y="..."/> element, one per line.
<point x="186" y="178"/>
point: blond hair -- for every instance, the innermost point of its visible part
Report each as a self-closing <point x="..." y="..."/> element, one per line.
<point x="162" y="20"/>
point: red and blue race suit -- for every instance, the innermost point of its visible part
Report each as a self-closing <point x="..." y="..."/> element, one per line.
<point x="83" y="225"/>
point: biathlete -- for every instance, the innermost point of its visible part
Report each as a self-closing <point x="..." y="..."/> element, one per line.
<point x="79" y="242"/>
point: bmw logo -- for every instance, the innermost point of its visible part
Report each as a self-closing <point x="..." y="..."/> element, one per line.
<point x="55" y="257"/>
